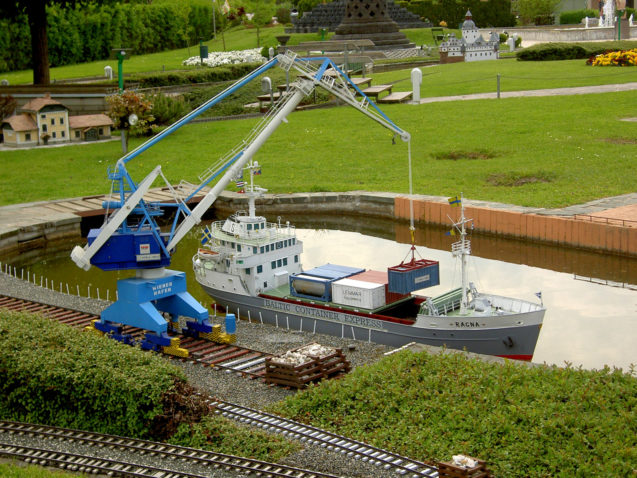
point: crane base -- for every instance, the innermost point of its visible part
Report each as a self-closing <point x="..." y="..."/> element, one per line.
<point x="142" y="299"/>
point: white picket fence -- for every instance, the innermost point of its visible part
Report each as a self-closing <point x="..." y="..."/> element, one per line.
<point x="46" y="283"/>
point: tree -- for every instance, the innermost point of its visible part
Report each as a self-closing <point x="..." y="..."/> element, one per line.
<point x="36" y="14"/>
<point x="122" y="106"/>
<point x="8" y="105"/>
<point x="261" y="17"/>
<point x="536" y="11"/>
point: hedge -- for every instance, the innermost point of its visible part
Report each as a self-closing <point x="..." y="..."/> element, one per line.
<point x="53" y="374"/>
<point x="525" y="421"/>
<point x="198" y="75"/>
<point x="88" y="33"/>
<point x="571" y="51"/>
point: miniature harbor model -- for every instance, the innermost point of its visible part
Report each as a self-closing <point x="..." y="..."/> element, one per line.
<point x="131" y="238"/>
<point x="253" y="268"/>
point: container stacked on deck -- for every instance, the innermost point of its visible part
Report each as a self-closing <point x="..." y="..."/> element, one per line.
<point x="370" y="290"/>
<point x="317" y="283"/>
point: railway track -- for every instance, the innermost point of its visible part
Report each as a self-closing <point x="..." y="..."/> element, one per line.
<point x="97" y="463"/>
<point x="331" y="441"/>
<point x="247" y="362"/>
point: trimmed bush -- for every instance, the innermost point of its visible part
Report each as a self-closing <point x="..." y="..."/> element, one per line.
<point x="575" y="17"/>
<point x="552" y="51"/>
<point x="198" y="75"/>
<point x="53" y="374"/>
<point x="525" y="421"/>
<point x="566" y="51"/>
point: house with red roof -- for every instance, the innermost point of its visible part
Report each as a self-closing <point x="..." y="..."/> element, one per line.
<point x="47" y="121"/>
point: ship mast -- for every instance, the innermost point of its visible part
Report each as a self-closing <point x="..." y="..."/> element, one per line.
<point x="253" y="191"/>
<point x="462" y="248"/>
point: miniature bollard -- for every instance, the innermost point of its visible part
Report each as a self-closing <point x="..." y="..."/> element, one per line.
<point x="511" y="43"/>
<point x="416" y="80"/>
<point x="108" y="72"/>
<point x="231" y="324"/>
<point x="270" y="53"/>
<point x="266" y="87"/>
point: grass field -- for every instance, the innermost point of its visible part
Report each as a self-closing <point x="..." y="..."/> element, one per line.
<point x="237" y="38"/>
<point x="540" y="151"/>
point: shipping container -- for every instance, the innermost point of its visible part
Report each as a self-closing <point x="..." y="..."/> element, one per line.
<point x="378" y="277"/>
<point x="356" y="293"/>
<point x="410" y="276"/>
<point x="333" y="271"/>
<point x="310" y="287"/>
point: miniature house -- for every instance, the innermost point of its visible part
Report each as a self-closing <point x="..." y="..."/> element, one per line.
<point x="471" y="47"/>
<point x="46" y="121"/>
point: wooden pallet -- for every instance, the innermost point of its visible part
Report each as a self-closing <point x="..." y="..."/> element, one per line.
<point x="449" y="470"/>
<point x="314" y="369"/>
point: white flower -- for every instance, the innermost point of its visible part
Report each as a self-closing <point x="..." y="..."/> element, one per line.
<point x="218" y="58"/>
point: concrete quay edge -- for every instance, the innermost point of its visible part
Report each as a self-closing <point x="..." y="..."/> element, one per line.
<point x="588" y="226"/>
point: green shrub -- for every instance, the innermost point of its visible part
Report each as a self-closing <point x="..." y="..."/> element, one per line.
<point x="552" y="51"/>
<point x="575" y="17"/>
<point x="53" y="374"/>
<point x="565" y="51"/>
<point x="191" y="76"/>
<point x="166" y="109"/>
<point x="525" y="421"/>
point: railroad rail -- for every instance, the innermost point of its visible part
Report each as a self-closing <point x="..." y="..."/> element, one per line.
<point x="245" y="362"/>
<point x="325" y="439"/>
<point x="94" y="463"/>
<point x="233" y="358"/>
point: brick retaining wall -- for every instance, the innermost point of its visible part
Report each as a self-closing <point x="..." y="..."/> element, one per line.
<point x="552" y="229"/>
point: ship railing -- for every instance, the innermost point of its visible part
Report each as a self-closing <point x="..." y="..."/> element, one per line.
<point x="462" y="246"/>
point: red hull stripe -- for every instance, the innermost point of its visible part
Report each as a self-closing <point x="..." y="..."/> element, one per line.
<point x="525" y="358"/>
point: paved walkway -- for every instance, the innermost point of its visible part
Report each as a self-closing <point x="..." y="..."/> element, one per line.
<point x="580" y="90"/>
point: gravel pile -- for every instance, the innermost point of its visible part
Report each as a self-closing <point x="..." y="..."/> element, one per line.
<point x="231" y="387"/>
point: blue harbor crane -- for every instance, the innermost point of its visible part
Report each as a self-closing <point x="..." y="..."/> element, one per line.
<point x="131" y="238"/>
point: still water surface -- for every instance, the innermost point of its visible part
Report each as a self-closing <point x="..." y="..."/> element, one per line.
<point x="587" y="324"/>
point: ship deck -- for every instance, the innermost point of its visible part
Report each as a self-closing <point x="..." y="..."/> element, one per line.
<point x="405" y="309"/>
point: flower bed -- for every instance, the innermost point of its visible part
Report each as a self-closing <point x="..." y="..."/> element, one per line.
<point x="219" y="58"/>
<point x="615" y="58"/>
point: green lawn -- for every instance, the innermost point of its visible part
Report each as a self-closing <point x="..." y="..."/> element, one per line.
<point x="538" y="151"/>
<point x="15" y="470"/>
<point x="237" y="38"/>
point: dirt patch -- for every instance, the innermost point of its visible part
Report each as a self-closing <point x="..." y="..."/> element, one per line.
<point x="458" y="155"/>
<point x="620" y="140"/>
<point x="180" y="405"/>
<point x="513" y="180"/>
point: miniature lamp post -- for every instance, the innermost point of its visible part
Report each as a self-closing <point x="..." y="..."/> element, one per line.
<point x="120" y="55"/>
<point x="416" y="80"/>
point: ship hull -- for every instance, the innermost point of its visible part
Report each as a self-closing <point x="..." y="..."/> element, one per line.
<point x="511" y="342"/>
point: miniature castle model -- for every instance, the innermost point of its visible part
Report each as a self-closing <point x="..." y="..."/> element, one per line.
<point x="47" y="121"/>
<point x="471" y="47"/>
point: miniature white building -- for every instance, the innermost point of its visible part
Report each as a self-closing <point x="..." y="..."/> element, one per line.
<point x="471" y="47"/>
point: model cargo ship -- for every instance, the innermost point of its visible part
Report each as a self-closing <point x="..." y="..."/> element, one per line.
<point x="253" y="268"/>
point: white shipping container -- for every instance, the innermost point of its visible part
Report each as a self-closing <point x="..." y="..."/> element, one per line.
<point x="356" y="293"/>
